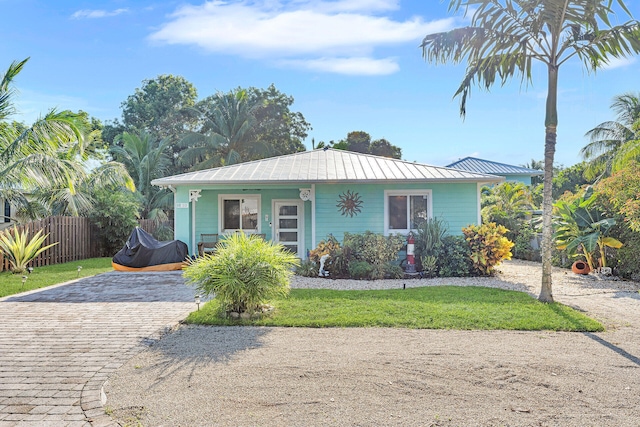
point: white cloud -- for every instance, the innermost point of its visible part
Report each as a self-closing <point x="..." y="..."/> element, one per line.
<point x="618" y="63"/>
<point x="91" y="14"/>
<point x="302" y="33"/>
<point x="361" y="66"/>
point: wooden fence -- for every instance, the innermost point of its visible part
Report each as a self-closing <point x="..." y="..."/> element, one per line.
<point x="76" y="239"/>
<point x="73" y="235"/>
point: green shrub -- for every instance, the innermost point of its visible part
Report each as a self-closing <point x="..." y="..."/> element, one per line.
<point x="245" y="272"/>
<point x="374" y="249"/>
<point x="428" y="245"/>
<point x="489" y="246"/>
<point x="114" y="216"/>
<point x="393" y="271"/>
<point x="522" y="245"/>
<point x="626" y="261"/>
<point x="456" y="257"/>
<point x="360" y="270"/>
<point x="20" y="250"/>
<point x="307" y="268"/>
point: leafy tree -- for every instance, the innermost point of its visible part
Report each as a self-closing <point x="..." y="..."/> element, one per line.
<point x="612" y="143"/>
<point x="618" y="195"/>
<point x="382" y="147"/>
<point x="506" y="37"/>
<point x="276" y="126"/>
<point x="569" y="179"/>
<point x="160" y="107"/>
<point x="146" y="158"/>
<point x="360" y="142"/>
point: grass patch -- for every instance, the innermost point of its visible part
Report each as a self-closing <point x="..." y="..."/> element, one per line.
<point x="41" y="277"/>
<point x="437" y="307"/>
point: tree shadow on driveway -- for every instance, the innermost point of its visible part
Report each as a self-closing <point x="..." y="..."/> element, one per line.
<point x="206" y="345"/>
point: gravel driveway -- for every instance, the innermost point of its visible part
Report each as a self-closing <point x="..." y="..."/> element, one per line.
<point x="230" y="376"/>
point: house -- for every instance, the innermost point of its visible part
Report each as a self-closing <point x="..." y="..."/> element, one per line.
<point x="299" y="199"/>
<point x="509" y="172"/>
<point x="7" y="214"/>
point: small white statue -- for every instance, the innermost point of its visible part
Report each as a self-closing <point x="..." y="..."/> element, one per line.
<point x="322" y="272"/>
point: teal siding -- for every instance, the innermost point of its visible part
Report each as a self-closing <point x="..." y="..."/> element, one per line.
<point x="456" y="204"/>
<point x="329" y="219"/>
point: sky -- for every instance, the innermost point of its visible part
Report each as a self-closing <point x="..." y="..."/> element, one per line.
<point x="350" y="65"/>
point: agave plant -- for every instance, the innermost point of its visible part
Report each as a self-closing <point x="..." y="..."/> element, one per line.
<point x="580" y="229"/>
<point x="20" y="250"/>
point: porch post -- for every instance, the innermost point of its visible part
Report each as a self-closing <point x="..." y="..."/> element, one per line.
<point x="194" y="195"/>
<point x="313" y="216"/>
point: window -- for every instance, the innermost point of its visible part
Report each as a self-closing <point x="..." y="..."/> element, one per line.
<point x="406" y="210"/>
<point x="239" y="213"/>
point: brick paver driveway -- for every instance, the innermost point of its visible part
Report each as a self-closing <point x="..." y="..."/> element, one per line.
<point x="59" y="345"/>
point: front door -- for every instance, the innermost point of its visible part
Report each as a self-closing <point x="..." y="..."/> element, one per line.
<point x="289" y="225"/>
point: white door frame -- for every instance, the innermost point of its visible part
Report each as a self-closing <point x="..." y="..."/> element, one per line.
<point x="276" y="220"/>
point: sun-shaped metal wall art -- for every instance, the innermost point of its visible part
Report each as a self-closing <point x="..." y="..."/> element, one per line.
<point x="349" y="203"/>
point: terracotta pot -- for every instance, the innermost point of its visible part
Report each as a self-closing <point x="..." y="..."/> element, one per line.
<point x="580" y="267"/>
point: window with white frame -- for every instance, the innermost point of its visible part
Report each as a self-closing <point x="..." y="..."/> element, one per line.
<point x="239" y="213"/>
<point x="406" y="210"/>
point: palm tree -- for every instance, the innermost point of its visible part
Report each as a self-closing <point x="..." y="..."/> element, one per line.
<point x="612" y="140"/>
<point x="504" y="40"/>
<point x="146" y="159"/>
<point x="225" y="136"/>
<point x="29" y="155"/>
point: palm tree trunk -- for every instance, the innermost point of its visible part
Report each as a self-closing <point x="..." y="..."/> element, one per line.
<point x="551" y="124"/>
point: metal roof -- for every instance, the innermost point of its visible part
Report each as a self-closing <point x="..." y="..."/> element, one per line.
<point x="472" y="164"/>
<point x="324" y="166"/>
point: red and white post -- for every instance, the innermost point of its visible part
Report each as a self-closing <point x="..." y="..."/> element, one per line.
<point x="411" y="259"/>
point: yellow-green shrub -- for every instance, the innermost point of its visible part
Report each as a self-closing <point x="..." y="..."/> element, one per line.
<point x="489" y="246"/>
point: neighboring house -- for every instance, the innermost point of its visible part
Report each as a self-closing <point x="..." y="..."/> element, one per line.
<point x="7" y="214"/>
<point x="299" y="199"/>
<point x="509" y="172"/>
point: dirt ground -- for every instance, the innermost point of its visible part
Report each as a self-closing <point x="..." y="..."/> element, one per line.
<point x="231" y="376"/>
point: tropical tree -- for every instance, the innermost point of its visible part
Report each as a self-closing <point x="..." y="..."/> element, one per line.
<point x="537" y="165"/>
<point x="507" y="204"/>
<point x="276" y="126"/>
<point x="360" y="142"/>
<point x="159" y="107"/>
<point x="506" y="37"/>
<point x="382" y="147"/>
<point x="581" y="227"/>
<point x="30" y="155"/>
<point x="146" y="158"/>
<point x="225" y="137"/>
<point x="613" y="143"/>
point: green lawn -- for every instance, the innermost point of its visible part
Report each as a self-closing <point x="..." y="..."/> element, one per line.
<point x="438" y="307"/>
<point x="46" y="276"/>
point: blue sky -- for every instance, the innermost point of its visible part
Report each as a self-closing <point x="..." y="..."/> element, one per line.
<point x="349" y="64"/>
